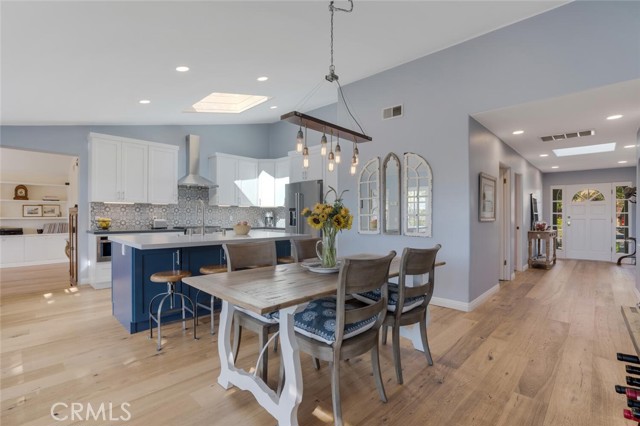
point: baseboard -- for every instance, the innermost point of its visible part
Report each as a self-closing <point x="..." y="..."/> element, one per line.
<point x="637" y="293"/>
<point x="525" y="267"/>
<point x="464" y="306"/>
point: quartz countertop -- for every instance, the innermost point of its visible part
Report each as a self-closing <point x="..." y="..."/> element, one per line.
<point x="160" y="230"/>
<point x="152" y="241"/>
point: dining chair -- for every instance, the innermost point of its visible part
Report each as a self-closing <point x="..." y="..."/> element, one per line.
<point x="304" y="248"/>
<point x="334" y="329"/>
<point x="408" y="302"/>
<point x="248" y="256"/>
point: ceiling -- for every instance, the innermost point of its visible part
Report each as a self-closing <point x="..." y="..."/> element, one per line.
<point x="586" y="110"/>
<point x="91" y="62"/>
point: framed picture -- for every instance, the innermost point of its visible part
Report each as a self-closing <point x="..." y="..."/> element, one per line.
<point x="487" y="198"/>
<point x="31" y="210"/>
<point x="51" y="210"/>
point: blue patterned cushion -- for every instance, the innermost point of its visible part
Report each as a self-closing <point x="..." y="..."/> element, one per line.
<point x="374" y="296"/>
<point x="271" y="317"/>
<point x="318" y="321"/>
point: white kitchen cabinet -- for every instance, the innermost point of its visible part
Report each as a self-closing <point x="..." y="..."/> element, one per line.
<point x="11" y="250"/>
<point x="237" y="180"/>
<point x="316" y="168"/>
<point x="163" y="174"/>
<point x="118" y="170"/>
<point x="282" y="178"/>
<point x="266" y="183"/>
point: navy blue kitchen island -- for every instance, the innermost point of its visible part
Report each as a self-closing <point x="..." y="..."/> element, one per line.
<point x="135" y="258"/>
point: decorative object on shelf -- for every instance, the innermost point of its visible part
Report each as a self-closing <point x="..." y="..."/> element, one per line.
<point x="103" y="223"/>
<point x="52" y="210"/>
<point x="330" y="218"/>
<point x="242" y="228"/>
<point x="541" y="226"/>
<point x="322" y="126"/>
<point x="32" y="210"/>
<point x="21" y="192"/>
<point x="630" y="194"/>
<point x="487" y="198"/>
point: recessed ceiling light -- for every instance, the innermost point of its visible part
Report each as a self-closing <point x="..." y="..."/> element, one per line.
<point x="622" y="162"/>
<point x="518" y="132"/>
<point x="145" y="101"/>
<point x="544" y="155"/>
<point x="233" y="103"/>
<point x="273" y="107"/>
<point x="263" y="78"/>
<point x="587" y="149"/>
<point x="554" y="167"/>
<point x="629" y="146"/>
<point x="182" y="68"/>
<point x="614" y="117"/>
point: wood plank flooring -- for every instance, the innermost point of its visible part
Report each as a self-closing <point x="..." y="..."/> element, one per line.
<point x="540" y="352"/>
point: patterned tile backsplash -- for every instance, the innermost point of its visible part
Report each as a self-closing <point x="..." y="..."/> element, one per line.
<point x="187" y="212"/>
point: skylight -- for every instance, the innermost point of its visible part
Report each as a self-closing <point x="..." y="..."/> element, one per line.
<point x="587" y="149"/>
<point x="229" y="103"/>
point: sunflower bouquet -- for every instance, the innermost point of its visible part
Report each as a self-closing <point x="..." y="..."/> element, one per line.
<point x="330" y="218"/>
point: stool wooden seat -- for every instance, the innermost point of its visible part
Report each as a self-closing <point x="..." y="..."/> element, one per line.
<point x="286" y="260"/>
<point x="170" y="278"/>
<point x="207" y="270"/>
<point x="213" y="269"/>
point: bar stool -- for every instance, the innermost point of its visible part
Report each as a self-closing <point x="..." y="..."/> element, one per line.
<point x="170" y="278"/>
<point x="207" y="270"/>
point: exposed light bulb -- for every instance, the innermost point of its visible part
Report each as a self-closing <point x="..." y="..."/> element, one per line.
<point x="332" y="161"/>
<point x="338" y="150"/>
<point x="356" y="154"/>
<point x="305" y="157"/>
<point x="331" y="165"/>
<point x="352" y="171"/>
<point x="299" y="140"/>
<point x="323" y="145"/>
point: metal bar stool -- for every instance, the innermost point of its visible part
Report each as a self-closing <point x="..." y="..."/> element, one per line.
<point x="206" y="270"/>
<point x="170" y="278"/>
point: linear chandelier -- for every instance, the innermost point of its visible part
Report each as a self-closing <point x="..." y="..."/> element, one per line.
<point x="334" y="130"/>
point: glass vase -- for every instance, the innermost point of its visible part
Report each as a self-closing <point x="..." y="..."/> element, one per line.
<point x="327" y="252"/>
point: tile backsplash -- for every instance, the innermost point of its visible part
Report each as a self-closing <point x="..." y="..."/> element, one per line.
<point x="186" y="213"/>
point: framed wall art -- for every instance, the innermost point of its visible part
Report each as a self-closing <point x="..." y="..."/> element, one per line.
<point x="32" y="210"/>
<point x="52" y="210"/>
<point x="487" y="198"/>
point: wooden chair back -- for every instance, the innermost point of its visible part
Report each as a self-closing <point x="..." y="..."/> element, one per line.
<point x="359" y="276"/>
<point x="304" y="249"/>
<point x="416" y="263"/>
<point x="250" y="255"/>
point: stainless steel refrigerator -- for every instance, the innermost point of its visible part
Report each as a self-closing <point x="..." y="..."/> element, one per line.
<point x="298" y="196"/>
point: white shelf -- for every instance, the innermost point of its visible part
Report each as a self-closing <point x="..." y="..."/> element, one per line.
<point x="33" y="183"/>
<point x="32" y="201"/>
<point x="35" y="218"/>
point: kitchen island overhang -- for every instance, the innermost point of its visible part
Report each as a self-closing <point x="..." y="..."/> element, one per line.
<point x="134" y="258"/>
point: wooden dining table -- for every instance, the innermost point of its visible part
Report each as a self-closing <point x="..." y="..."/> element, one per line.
<point x="262" y="290"/>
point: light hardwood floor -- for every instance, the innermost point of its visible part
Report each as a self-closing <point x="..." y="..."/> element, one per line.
<point x="539" y="352"/>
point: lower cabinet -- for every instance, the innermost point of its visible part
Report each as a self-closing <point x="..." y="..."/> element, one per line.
<point x="32" y="249"/>
<point x="132" y="289"/>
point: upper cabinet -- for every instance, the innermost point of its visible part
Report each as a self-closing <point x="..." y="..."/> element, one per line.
<point x="163" y="174"/>
<point x="244" y="181"/>
<point x="237" y="180"/>
<point x="132" y="171"/>
<point x="317" y="169"/>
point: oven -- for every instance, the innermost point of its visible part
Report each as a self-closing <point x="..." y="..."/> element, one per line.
<point x="103" y="249"/>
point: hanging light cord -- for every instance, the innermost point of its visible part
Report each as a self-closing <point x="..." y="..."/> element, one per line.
<point x="332" y="76"/>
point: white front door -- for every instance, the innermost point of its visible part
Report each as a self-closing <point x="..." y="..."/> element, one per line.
<point x="588" y="222"/>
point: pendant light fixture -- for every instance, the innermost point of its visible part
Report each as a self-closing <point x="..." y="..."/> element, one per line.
<point x="321" y="125"/>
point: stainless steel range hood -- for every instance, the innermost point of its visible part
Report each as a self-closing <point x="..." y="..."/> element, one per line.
<point x="193" y="178"/>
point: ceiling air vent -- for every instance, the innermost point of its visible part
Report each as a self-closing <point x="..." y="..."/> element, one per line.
<point x="569" y="135"/>
<point x="392" y="112"/>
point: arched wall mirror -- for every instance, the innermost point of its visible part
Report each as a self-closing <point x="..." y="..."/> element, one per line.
<point x="391" y="194"/>
<point x="417" y="191"/>
<point x="369" y="197"/>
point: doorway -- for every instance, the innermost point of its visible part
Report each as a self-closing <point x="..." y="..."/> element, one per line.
<point x="504" y="218"/>
<point x="588" y="224"/>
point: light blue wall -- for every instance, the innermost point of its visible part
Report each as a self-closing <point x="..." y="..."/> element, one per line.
<point x="546" y="56"/>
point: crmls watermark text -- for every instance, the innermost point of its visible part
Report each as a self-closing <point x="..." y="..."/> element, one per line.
<point x="87" y="411"/>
